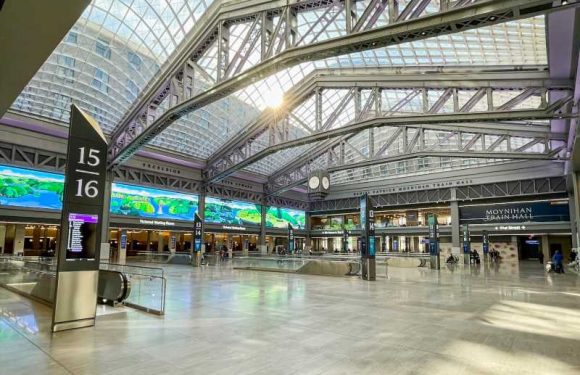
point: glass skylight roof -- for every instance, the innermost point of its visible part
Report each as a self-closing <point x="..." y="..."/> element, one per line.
<point x="109" y="56"/>
<point x="118" y="46"/>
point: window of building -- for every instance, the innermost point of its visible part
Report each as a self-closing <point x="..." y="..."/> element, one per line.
<point x="101" y="80"/>
<point x="103" y="49"/>
<point x="71" y="37"/>
<point x="134" y="60"/>
<point x="132" y="90"/>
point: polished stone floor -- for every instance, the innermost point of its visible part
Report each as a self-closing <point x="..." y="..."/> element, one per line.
<point x="224" y="321"/>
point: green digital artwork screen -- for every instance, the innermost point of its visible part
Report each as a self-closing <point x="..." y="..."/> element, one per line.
<point x="27" y="188"/>
<point x="278" y="217"/>
<point x="224" y="211"/>
<point x="128" y="200"/>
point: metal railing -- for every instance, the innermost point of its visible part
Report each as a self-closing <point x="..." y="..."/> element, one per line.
<point x="148" y="286"/>
<point x="34" y="277"/>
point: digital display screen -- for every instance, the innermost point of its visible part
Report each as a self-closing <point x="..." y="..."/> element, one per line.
<point x="31" y="189"/>
<point x="223" y="211"/>
<point x="82" y="236"/>
<point x="138" y="201"/>
<point x="277" y="217"/>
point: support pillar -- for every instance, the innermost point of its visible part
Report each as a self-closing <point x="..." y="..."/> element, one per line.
<point x="122" y="257"/>
<point x="574" y="212"/>
<point x="19" y="239"/>
<point x="105" y="245"/>
<point x="230" y="245"/>
<point x="455" y="229"/>
<point x="36" y="232"/>
<point x="201" y="214"/>
<point x="160" y="242"/>
<point x="2" y="238"/>
<point x="307" y="239"/>
<point x="172" y="242"/>
<point x="546" y="247"/>
<point x="262" y="239"/>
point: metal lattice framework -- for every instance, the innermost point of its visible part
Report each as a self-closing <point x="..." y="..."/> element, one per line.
<point x="222" y="49"/>
<point x="28" y="157"/>
<point x="361" y="117"/>
<point x="531" y="187"/>
<point x="142" y="177"/>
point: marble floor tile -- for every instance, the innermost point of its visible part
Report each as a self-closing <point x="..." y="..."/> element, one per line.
<point x="225" y="321"/>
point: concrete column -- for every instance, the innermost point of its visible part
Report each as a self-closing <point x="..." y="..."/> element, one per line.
<point x="160" y="243"/>
<point x="148" y="247"/>
<point x="19" y="239"/>
<point x="172" y="243"/>
<point x="2" y="238"/>
<point x="245" y="245"/>
<point x="36" y="232"/>
<point x="574" y="219"/>
<point x="516" y="243"/>
<point x="307" y="239"/>
<point x="122" y="256"/>
<point x="455" y="229"/>
<point x="546" y="247"/>
<point x="201" y="213"/>
<point x="230" y="245"/>
<point x="262" y="239"/>
<point x="105" y="246"/>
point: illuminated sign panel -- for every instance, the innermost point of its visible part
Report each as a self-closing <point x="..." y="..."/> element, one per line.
<point x="31" y="189"/>
<point x="224" y="211"/>
<point x="145" y="202"/>
<point x="277" y="217"/>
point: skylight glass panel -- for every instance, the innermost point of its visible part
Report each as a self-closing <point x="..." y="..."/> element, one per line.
<point x="130" y="40"/>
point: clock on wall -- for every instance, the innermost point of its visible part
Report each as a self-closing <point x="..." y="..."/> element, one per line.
<point x="313" y="182"/>
<point x="325" y="183"/>
<point x="318" y="184"/>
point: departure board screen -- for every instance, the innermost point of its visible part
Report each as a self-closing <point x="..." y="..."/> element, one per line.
<point x="82" y="236"/>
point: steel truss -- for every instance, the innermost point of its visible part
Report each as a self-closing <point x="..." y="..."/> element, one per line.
<point x="28" y="157"/>
<point x="497" y="190"/>
<point x="273" y="28"/>
<point x="455" y="103"/>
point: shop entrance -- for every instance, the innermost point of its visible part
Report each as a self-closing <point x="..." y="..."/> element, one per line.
<point x="230" y="242"/>
<point x="143" y="240"/>
<point x="529" y="247"/>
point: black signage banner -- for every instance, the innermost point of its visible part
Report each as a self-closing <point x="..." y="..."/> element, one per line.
<point x="290" y="239"/>
<point x="367" y="222"/>
<point x="345" y="240"/>
<point x="485" y="242"/>
<point x="433" y="235"/>
<point x="466" y="240"/>
<point x="363" y="226"/>
<point x="83" y="198"/>
<point x="515" y="213"/>
<point x="197" y="233"/>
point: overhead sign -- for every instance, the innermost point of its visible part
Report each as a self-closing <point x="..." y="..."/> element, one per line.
<point x="543" y="211"/>
<point x="197" y="233"/>
<point x="162" y="223"/>
<point x="414" y="187"/>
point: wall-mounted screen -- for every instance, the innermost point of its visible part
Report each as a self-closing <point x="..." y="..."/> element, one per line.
<point x="224" y="211"/>
<point x="82" y="236"/>
<point x="31" y="189"/>
<point x="139" y="201"/>
<point x="277" y="217"/>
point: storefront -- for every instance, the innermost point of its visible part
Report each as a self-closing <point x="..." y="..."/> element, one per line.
<point x="520" y="230"/>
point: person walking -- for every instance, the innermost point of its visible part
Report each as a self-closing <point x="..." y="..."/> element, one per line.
<point x="541" y="257"/>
